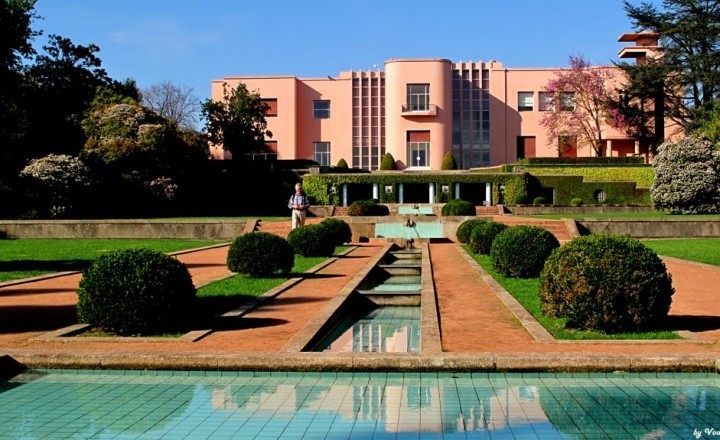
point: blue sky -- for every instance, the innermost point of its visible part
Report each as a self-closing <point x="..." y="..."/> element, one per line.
<point x="191" y="42"/>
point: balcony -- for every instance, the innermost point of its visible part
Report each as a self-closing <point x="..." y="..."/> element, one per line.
<point x="419" y="110"/>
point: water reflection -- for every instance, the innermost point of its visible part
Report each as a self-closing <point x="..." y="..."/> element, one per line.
<point x="363" y="405"/>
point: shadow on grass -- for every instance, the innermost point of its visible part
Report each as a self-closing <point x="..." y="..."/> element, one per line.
<point x="20" y="291"/>
<point x="44" y="265"/>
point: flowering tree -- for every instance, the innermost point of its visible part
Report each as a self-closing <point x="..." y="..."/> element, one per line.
<point x="578" y="109"/>
<point x="57" y="177"/>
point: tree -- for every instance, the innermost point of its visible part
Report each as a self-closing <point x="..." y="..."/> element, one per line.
<point x="687" y="177"/>
<point x="448" y="162"/>
<point x="388" y="162"/>
<point x="579" y="104"/>
<point x="55" y="179"/>
<point x="174" y="102"/>
<point x="690" y="36"/>
<point x="237" y="121"/>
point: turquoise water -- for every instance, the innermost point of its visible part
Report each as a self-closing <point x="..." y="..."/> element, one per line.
<point x="388" y="329"/>
<point x="399" y="230"/>
<point x="422" y="210"/>
<point x="198" y="405"/>
<point x="393" y="287"/>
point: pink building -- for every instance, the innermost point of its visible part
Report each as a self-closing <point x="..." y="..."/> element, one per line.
<point x="418" y="110"/>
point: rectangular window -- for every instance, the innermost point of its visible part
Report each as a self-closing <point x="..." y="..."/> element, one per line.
<point x="418" y="148"/>
<point x="418" y="97"/>
<point x="567" y="102"/>
<point x="272" y="106"/>
<point x="526" y="101"/>
<point x="321" y="153"/>
<point x="546" y="101"/>
<point x="321" y="109"/>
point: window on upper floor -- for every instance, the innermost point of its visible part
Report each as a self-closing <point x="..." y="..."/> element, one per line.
<point x="321" y="109"/>
<point x="567" y="102"/>
<point x="272" y="106"/>
<point x="321" y="153"/>
<point x="418" y="97"/>
<point x="526" y="101"/>
<point x="545" y="101"/>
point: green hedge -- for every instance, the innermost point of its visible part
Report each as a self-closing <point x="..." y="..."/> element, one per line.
<point x="318" y="186"/>
<point x="643" y="176"/>
<point x="571" y="187"/>
<point x="581" y="160"/>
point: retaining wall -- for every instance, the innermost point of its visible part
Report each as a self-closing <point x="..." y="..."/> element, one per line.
<point x="652" y="228"/>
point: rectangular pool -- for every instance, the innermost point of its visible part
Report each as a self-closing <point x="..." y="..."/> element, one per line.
<point x="230" y="405"/>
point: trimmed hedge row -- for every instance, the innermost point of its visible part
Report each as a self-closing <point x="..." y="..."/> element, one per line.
<point x="318" y="186"/>
<point x="482" y="236"/>
<point x="567" y="188"/>
<point x="643" y="175"/>
<point x="464" y="231"/>
<point x="582" y="160"/>
<point x="311" y="241"/>
<point x="367" y="208"/>
<point x="458" y="207"/>
<point x="260" y="254"/>
<point x="521" y="251"/>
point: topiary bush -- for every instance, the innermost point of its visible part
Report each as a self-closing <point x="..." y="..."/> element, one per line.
<point x="136" y="292"/>
<point x="260" y="254"/>
<point x="539" y="200"/>
<point x="312" y="241"/>
<point x="458" y="207"/>
<point x="521" y="251"/>
<point x="687" y="177"/>
<point x="465" y="229"/>
<point x="482" y="236"/>
<point x="367" y="207"/>
<point x="606" y="283"/>
<point x="576" y="202"/>
<point x="338" y="231"/>
<point x="448" y="162"/>
<point x="342" y="164"/>
<point x="388" y="163"/>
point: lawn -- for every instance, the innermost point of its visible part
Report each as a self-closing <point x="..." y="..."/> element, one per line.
<point x="223" y="295"/>
<point x="24" y="258"/>
<point x="703" y="250"/>
<point x="525" y="291"/>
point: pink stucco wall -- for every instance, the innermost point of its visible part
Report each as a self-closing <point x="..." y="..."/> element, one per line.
<point x="400" y="73"/>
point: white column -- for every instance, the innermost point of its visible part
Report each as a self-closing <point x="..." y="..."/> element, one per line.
<point x="457" y="190"/>
<point x="400" y="192"/>
<point x="488" y="192"/>
<point x="344" y="194"/>
<point x="608" y="153"/>
<point x="637" y="148"/>
<point x="376" y="191"/>
<point x="431" y="192"/>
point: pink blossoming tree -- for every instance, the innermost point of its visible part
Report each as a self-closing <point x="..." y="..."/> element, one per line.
<point x="578" y="107"/>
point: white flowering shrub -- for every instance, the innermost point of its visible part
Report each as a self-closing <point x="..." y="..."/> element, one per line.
<point x="56" y="178"/>
<point x="162" y="188"/>
<point x="687" y="177"/>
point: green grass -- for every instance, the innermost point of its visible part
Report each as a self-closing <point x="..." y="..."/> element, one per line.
<point x="223" y="295"/>
<point x="703" y="250"/>
<point x="626" y="215"/>
<point x="31" y="257"/>
<point x="525" y="291"/>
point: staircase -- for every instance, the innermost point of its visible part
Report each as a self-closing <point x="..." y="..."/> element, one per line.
<point x="557" y="227"/>
<point x="282" y="228"/>
<point x="483" y="211"/>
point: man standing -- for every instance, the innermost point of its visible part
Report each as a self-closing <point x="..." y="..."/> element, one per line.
<point x="299" y="205"/>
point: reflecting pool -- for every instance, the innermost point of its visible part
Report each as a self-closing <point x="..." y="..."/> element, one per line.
<point x="175" y="405"/>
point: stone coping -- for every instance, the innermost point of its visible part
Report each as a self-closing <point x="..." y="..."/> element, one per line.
<point x="365" y="362"/>
<point x="430" y="332"/>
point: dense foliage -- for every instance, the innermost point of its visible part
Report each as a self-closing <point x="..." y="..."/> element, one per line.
<point x="483" y="235"/>
<point x="55" y="180"/>
<point x="566" y="188"/>
<point x="312" y="241"/>
<point x="458" y="207"/>
<point x="388" y="162"/>
<point x="539" y="200"/>
<point x="342" y="164"/>
<point x="521" y="251"/>
<point x="136" y="292"/>
<point x="465" y="229"/>
<point x="337" y="230"/>
<point x="259" y="254"/>
<point x="367" y="208"/>
<point x="687" y="177"/>
<point x="448" y="162"/>
<point x="606" y="283"/>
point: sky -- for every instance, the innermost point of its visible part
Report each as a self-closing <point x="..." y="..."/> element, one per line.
<point x="191" y="42"/>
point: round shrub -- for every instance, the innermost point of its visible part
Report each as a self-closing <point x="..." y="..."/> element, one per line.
<point x="576" y="202"/>
<point x="311" y="241"/>
<point x="342" y="164"/>
<point x="367" y="208"/>
<point x="482" y="237"/>
<point x="466" y="228"/>
<point x="338" y="231"/>
<point x="606" y="283"/>
<point x="539" y="201"/>
<point x="136" y="292"/>
<point x="521" y="251"/>
<point x="259" y="254"/>
<point x="458" y="207"/>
